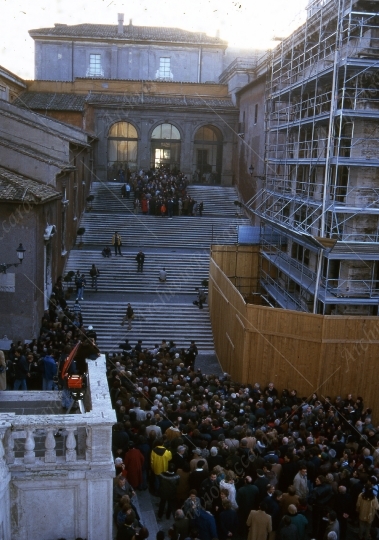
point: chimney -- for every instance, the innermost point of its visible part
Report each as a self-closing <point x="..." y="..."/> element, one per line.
<point x="120" y="29"/>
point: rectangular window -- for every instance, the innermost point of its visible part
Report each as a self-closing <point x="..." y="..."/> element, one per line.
<point x="94" y="69"/>
<point x="256" y="114"/>
<point x="164" y="71"/>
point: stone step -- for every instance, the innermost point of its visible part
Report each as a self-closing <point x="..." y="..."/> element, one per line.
<point x="119" y="274"/>
<point x="151" y="231"/>
<point x="153" y="322"/>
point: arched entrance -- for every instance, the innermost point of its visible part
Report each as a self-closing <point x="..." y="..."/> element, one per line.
<point x="165" y="147"/>
<point x="122" y="150"/>
<point x="207" y="165"/>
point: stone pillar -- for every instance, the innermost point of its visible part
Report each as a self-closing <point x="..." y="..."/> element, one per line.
<point x="144" y="143"/>
<point x="114" y="63"/>
<point x="227" y="164"/>
<point x="5" y="478"/>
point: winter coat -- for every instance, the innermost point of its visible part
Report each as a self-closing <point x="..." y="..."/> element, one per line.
<point x="366" y="508"/>
<point x="168" y="485"/>
<point x="159" y="459"/>
<point x="3" y="376"/>
<point x="134" y="463"/>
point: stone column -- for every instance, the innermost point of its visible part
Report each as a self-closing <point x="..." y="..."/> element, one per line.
<point x="5" y="478"/>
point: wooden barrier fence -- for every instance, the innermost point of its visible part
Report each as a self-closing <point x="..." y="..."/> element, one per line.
<point x="329" y="355"/>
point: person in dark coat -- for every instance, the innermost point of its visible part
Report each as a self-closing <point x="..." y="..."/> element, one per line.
<point x="205" y="523"/>
<point x="272" y="505"/>
<point x="343" y="506"/>
<point x="140" y="258"/>
<point x="227" y="521"/>
<point x="21" y="370"/>
<point x="178" y="458"/>
<point x="288" y="530"/>
<point x="261" y="483"/>
<point x="247" y="499"/>
<point x="197" y="476"/>
<point x="180" y="527"/>
<point x="120" y="440"/>
<point x="210" y="492"/>
<point x="168" y="484"/>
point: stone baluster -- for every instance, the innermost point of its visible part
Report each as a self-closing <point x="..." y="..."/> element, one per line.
<point x="3" y="467"/>
<point x="70" y="444"/>
<point x="89" y="444"/>
<point x="9" y="446"/>
<point x="50" y="453"/>
<point x="29" y="454"/>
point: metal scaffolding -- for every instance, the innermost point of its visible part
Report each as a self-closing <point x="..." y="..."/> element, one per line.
<point x="321" y="189"/>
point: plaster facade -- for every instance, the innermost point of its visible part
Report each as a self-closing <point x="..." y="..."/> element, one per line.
<point x="35" y="150"/>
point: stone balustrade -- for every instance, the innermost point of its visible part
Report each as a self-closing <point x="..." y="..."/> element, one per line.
<point x="47" y="454"/>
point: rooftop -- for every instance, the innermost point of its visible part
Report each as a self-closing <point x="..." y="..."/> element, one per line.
<point x="129" y="33"/>
<point x="49" y="101"/>
<point x="20" y="189"/>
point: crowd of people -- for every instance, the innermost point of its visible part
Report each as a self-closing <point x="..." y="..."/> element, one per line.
<point x="36" y="365"/>
<point x="161" y="193"/>
<point x="231" y="460"/>
<point x="227" y="460"/>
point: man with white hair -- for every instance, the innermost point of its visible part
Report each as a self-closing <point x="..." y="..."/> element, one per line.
<point x="180" y="526"/>
<point x="140" y="414"/>
<point x="153" y="427"/>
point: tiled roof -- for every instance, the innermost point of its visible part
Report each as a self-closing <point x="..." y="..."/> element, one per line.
<point x="17" y="188"/>
<point x="72" y="102"/>
<point x="50" y="101"/>
<point x="130" y="33"/>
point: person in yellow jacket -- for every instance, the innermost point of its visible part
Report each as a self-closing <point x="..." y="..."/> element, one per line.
<point x="159" y="460"/>
<point x="117" y="243"/>
<point x="367" y="505"/>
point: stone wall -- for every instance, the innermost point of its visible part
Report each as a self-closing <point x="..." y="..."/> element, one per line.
<point x="67" y="60"/>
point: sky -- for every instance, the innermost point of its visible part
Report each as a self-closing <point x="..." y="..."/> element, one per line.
<point x="244" y="23"/>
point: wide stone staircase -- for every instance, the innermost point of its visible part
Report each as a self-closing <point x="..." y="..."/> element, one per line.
<point x="180" y="245"/>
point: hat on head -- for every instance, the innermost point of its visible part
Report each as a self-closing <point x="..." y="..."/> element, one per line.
<point x="90" y="327"/>
<point x="197" y="451"/>
<point x="118" y="461"/>
<point x="214" y="451"/>
<point x="176" y="355"/>
<point x="181" y="448"/>
<point x="233" y="396"/>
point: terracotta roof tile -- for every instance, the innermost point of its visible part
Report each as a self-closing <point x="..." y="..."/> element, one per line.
<point x="17" y="188"/>
<point x="50" y="101"/>
<point x="130" y="33"/>
<point x="72" y="102"/>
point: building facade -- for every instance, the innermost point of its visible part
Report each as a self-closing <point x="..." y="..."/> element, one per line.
<point x="151" y="95"/>
<point x="45" y="176"/>
<point x="64" y="53"/>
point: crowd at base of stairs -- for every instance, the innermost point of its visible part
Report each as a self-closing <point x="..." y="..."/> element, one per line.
<point x="226" y="458"/>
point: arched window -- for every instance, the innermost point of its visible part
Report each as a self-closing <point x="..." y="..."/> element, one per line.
<point x="208" y="155"/>
<point x="165" y="147"/>
<point x="122" y="150"/>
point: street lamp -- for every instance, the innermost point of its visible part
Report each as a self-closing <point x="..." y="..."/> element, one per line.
<point x="251" y="170"/>
<point x="20" y="254"/>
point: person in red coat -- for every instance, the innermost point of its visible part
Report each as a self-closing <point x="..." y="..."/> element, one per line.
<point x="133" y="463"/>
